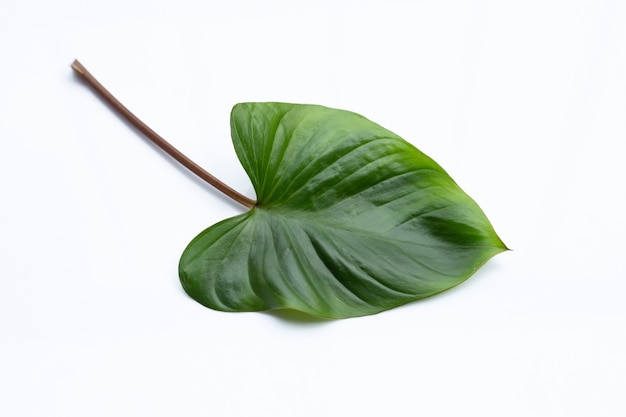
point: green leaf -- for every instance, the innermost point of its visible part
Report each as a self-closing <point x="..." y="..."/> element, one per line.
<point x="351" y="220"/>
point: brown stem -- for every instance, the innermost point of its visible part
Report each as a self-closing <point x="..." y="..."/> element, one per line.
<point x="158" y="140"/>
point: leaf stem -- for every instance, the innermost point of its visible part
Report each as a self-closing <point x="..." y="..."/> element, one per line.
<point x="158" y="140"/>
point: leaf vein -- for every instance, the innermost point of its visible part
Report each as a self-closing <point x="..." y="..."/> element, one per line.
<point x="330" y="164"/>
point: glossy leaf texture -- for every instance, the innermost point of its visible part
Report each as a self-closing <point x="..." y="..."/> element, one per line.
<point x="351" y="220"/>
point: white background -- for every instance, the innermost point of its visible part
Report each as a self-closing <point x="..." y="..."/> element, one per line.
<point x="523" y="102"/>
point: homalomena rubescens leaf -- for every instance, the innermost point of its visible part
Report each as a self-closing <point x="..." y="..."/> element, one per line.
<point x="351" y="220"/>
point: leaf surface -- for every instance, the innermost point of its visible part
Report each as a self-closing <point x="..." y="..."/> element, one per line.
<point x="351" y="220"/>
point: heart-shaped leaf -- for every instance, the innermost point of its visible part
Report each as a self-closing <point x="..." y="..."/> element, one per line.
<point x="350" y="220"/>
